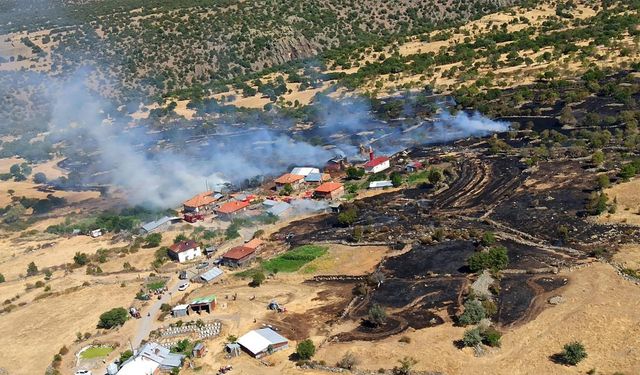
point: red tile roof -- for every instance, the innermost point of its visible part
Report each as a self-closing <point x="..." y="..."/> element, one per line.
<point x="232" y="206"/>
<point x="183" y="246"/>
<point x="238" y="252"/>
<point x="202" y="199"/>
<point x="376" y="161"/>
<point x="328" y="187"/>
<point x="288" y="178"/>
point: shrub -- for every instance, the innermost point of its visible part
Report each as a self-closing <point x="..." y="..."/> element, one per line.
<point x="473" y="313"/>
<point x="64" y="350"/>
<point x="491" y="337"/>
<point x="165" y="307"/>
<point x="306" y="349"/>
<point x="488" y="239"/>
<point x="377" y="315"/>
<point x="153" y="240"/>
<point x="32" y="269"/>
<point x="258" y="279"/>
<point x="113" y="318"/>
<point x="80" y="259"/>
<point x="125" y="355"/>
<point x="2" y="279"/>
<point x="348" y="361"/>
<point x="348" y="216"/>
<point x="472" y="337"/>
<point x="406" y="364"/>
<point x="573" y="353"/>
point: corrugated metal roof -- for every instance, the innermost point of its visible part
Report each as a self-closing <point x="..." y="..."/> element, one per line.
<point x="207" y="299"/>
<point x="304" y="171"/>
<point x="380" y="184"/>
<point x="259" y="340"/>
<point x="211" y="274"/>
<point x="313" y="177"/>
<point x="148" y="227"/>
<point x="279" y="208"/>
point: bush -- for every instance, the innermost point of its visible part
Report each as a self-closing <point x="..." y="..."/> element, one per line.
<point x="113" y="318"/>
<point x="80" y="259"/>
<point x="495" y="259"/>
<point x="473" y="313"/>
<point x="258" y="279"/>
<point x="488" y="239"/>
<point x="125" y="355"/>
<point x="348" y="216"/>
<point x="153" y="240"/>
<point x="32" y="269"/>
<point x="377" y="315"/>
<point x="472" y="337"/>
<point x="573" y="353"/>
<point x="348" y="361"/>
<point x="2" y="279"/>
<point x="491" y="337"/>
<point x="306" y="349"/>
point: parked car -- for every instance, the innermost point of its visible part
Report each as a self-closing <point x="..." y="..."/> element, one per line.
<point x="202" y="265"/>
<point x="83" y="372"/>
<point x="183" y="286"/>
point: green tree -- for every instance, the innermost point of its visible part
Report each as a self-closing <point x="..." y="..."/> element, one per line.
<point x="495" y="259"/>
<point x="348" y="216"/>
<point x="287" y="189"/>
<point x="627" y="171"/>
<point x="125" y="355"/>
<point x="113" y="318"/>
<point x="80" y="259"/>
<point x="179" y="238"/>
<point x="258" y="279"/>
<point x="377" y="315"/>
<point x="567" y="117"/>
<point x="598" y="157"/>
<point x="15" y="169"/>
<point x="488" y="239"/>
<point x="306" y="349"/>
<point x="2" y="279"/>
<point x="435" y="176"/>
<point x="153" y="240"/>
<point x="406" y="365"/>
<point x="354" y="173"/>
<point x="396" y="179"/>
<point x="473" y="313"/>
<point x="40" y="178"/>
<point x="32" y="269"/>
<point x="603" y="181"/>
<point x="573" y="353"/>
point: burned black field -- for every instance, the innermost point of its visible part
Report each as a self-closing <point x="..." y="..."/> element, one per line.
<point x="537" y="214"/>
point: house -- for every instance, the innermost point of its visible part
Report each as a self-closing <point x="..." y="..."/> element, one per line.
<point x="316" y="178"/>
<point x="160" y="224"/>
<point x="261" y="342"/>
<point x="380" y="184"/>
<point x="238" y="256"/>
<point x="201" y="202"/>
<point x="199" y="350"/>
<point x="210" y="275"/>
<point x="413" y="166"/>
<point x="207" y="304"/>
<point x="376" y="164"/>
<point x="279" y="209"/>
<point x="304" y="171"/>
<point x="180" y="311"/>
<point x="184" y="251"/>
<point x="293" y="180"/>
<point x="336" y="164"/>
<point x="229" y="209"/>
<point x="151" y="359"/>
<point x="329" y="190"/>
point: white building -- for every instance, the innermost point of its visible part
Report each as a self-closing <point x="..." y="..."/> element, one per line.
<point x="261" y="342"/>
<point x="304" y="171"/>
<point x="184" y="251"/>
<point x="378" y="164"/>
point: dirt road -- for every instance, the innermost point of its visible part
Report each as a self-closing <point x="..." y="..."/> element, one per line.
<point x="146" y="323"/>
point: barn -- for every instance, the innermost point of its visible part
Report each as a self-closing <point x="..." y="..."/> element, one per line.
<point x="238" y="256"/>
<point x="261" y="342"/>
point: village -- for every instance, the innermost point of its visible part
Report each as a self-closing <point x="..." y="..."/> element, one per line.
<point x="169" y="318"/>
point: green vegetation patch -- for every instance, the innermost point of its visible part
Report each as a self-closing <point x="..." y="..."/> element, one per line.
<point x="156" y="285"/>
<point x="294" y="259"/>
<point x="96" y="352"/>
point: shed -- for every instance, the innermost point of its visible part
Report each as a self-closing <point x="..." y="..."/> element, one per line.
<point x="316" y="178"/>
<point x="261" y="342"/>
<point x="180" y="311"/>
<point x="211" y="275"/>
<point x="199" y="350"/>
<point x="279" y="209"/>
<point x="233" y="349"/>
<point x="238" y="256"/>
<point x="329" y="190"/>
<point x="380" y="184"/>
<point x="413" y="166"/>
<point x="159" y="224"/>
<point x="207" y="304"/>
<point x="305" y="171"/>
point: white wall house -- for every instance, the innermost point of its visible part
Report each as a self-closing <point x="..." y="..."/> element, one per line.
<point x="184" y="251"/>
<point x="376" y="165"/>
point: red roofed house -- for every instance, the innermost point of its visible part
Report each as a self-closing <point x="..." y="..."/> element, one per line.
<point x="288" y="179"/>
<point x="329" y="190"/>
<point x="201" y="202"/>
<point x="231" y="208"/>
<point x="238" y="256"/>
<point x="253" y="244"/>
<point x="376" y="164"/>
<point x="184" y="251"/>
